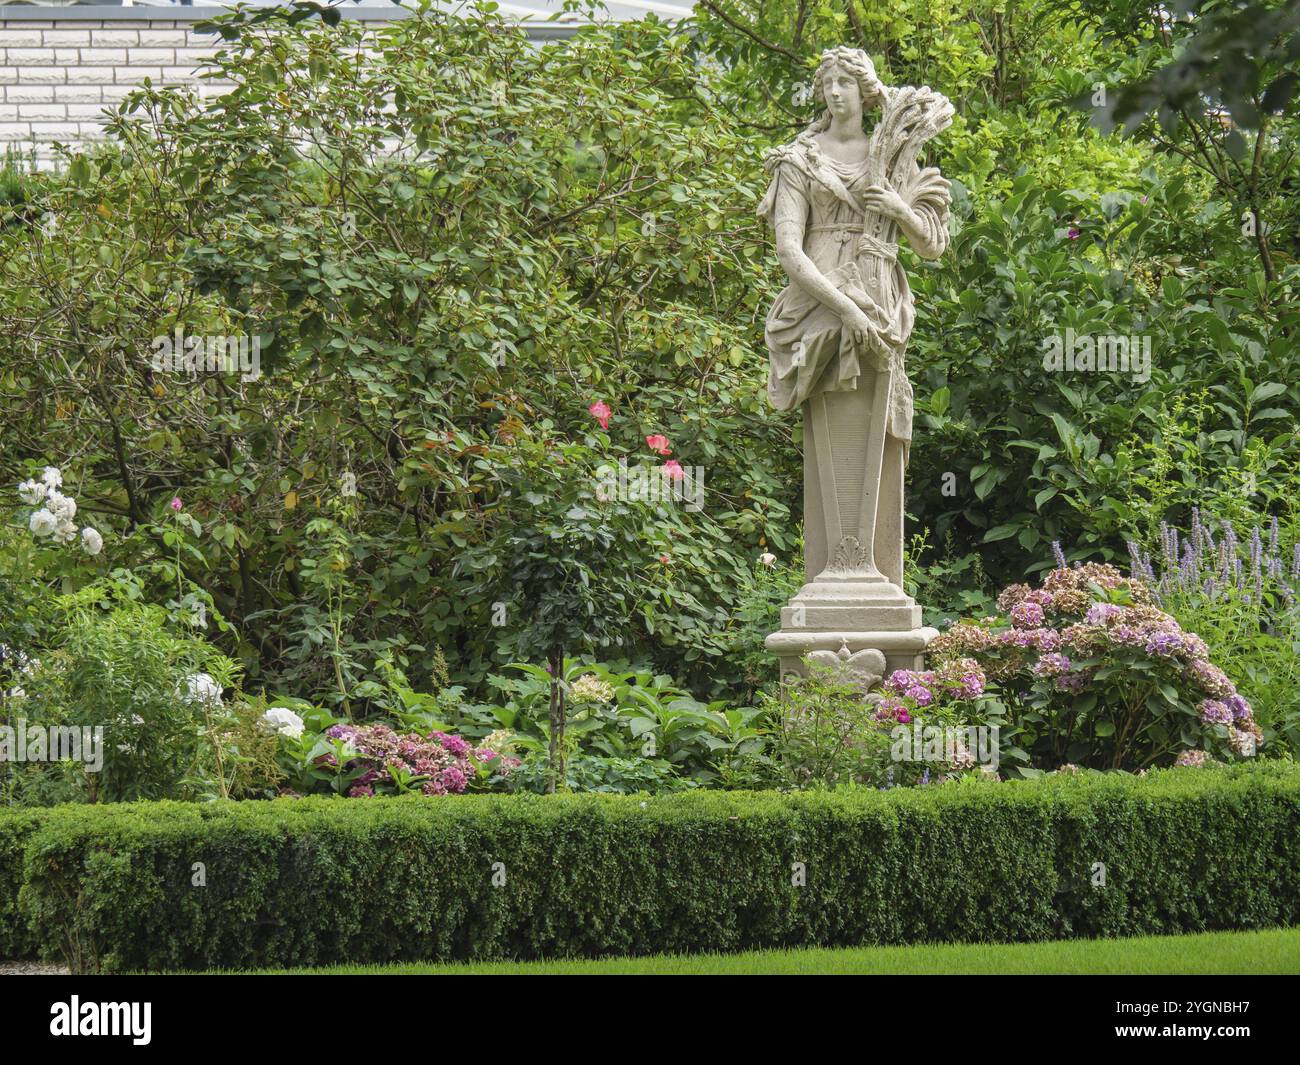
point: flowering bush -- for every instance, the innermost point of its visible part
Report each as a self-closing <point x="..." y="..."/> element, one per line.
<point x="915" y="730"/>
<point x="907" y="691"/>
<point x="375" y="759"/>
<point x="155" y="691"/>
<point x="1093" y="674"/>
<point x="1240" y="593"/>
<point x="53" y="512"/>
<point x="1201" y="565"/>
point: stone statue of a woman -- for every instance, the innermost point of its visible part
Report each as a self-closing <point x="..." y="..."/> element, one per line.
<point x="840" y="199"/>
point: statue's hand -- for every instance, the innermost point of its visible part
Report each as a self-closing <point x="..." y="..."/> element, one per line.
<point x="862" y="332"/>
<point x="858" y="326"/>
<point x="884" y="200"/>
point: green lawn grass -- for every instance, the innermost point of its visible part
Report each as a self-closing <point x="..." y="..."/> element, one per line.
<point x="1268" y="952"/>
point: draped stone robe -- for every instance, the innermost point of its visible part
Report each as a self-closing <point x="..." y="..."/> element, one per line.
<point x="857" y="404"/>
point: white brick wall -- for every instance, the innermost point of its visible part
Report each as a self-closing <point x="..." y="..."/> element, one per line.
<point x="57" y="77"/>
<point x="57" y="73"/>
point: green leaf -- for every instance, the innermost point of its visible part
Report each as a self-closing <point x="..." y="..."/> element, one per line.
<point x="1001" y="532"/>
<point x="1266" y="391"/>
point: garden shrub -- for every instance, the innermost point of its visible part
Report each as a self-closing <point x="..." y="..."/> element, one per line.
<point x="1239" y="593"/>
<point x="317" y="881"/>
<point x="156" y="694"/>
<point x="627" y="730"/>
<point x="584" y="236"/>
<point x="15" y="826"/>
<point x="830" y="736"/>
<point x="1093" y="674"/>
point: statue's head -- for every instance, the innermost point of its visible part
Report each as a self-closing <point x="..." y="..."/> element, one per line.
<point x="844" y="68"/>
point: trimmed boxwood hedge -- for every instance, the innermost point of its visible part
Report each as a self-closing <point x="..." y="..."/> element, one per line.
<point x="15" y="826"/>
<point x="316" y="881"/>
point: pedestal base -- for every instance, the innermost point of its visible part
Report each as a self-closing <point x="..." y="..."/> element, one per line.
<point x="897" y="650"/>
<point x="861" y="627"/>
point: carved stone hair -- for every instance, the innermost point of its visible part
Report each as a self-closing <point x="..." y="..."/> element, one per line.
<point x="857" y="63"/>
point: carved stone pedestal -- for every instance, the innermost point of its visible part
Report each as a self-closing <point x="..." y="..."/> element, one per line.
<point x="863" y="630"/>
<point x="852" y="614"/>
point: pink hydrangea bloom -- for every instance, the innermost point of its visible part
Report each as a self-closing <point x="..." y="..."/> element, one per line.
<point x="1027" y="615"/>
<point x="439" y="761"/>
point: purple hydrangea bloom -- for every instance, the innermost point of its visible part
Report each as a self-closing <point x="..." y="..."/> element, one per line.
<point x="1164" y="644"/>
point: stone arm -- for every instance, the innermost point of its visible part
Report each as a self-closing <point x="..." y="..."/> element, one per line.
<point x="803" y="272"/>
<point x="926" y="230"/>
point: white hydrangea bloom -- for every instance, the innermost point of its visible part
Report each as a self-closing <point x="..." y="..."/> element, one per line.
<point x="91" y="542"/>
<point x="42" y="523"/>
<point x="284" y="721"/>
<point x="201" y="688"/>
<point x="32" y="492"/>
<point x="589" y="688"/>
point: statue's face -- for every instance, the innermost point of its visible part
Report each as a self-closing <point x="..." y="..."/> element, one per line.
<point x="842" y="92"/>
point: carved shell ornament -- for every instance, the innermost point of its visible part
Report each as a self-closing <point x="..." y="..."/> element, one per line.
<point x="865" y="668"/>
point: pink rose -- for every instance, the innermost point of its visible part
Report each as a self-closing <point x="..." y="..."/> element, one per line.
<point x="601" y="412"/>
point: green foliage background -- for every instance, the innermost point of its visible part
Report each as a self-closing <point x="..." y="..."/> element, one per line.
<point x="576" y="223"/>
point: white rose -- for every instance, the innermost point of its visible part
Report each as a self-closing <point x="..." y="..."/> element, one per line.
<point x="767" y="558"/>
<point x="91" y="542"/>
<point x="52" y="477"/>
<point x="32" y="492"/>
<point x="284" y="721"/>
<point x="66" y="531"/>
<point x="201" y="688"/>
<point x="61" y="506"/>
<point x="43" y="523"/>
